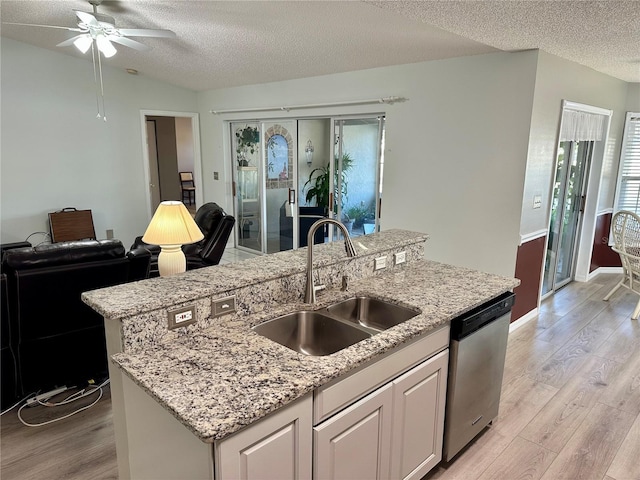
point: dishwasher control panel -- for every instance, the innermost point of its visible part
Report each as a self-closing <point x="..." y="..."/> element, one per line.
<point x="478" y="317"/>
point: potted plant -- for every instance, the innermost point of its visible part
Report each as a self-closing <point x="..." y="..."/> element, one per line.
<point x="248" y="139"/>
<point x="358" y="213"/>
<point x="318" y="184"/>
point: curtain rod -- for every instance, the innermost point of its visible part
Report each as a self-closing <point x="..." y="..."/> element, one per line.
<point x="387" y="100"/>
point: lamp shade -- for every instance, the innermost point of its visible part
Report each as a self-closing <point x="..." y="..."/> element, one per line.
<point x="172" y="224"/>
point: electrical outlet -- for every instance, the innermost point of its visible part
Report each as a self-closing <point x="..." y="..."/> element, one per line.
<point x="216" y="176"/>
<point x="380" y="263"/>
<point x="181" y="317"/>
<point x="400" y="257"/>
<point x="109" y="234"/>
<point x="223" y="306"/>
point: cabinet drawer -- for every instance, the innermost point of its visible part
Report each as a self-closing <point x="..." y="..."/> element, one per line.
<point x="340" y="393"/>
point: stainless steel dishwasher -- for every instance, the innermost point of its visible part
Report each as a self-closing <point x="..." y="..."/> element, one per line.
<point x="476" y="364"/>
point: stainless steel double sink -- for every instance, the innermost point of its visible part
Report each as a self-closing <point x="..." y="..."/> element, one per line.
<point x="326" y="331"/>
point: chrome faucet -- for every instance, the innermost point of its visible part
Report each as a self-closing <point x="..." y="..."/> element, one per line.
<point x="311" y="289"/>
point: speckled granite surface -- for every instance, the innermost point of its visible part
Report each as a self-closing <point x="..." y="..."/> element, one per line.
<point x="222" y="377"/>
<point x="137" y="297"/>
<point x="260" y="285"/>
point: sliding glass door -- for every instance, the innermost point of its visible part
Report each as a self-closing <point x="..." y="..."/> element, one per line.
<point x="264" y="156"/>
<point x="566" y="213"/>
<point x="290" y="173"/>
<point x="358" y="163"/>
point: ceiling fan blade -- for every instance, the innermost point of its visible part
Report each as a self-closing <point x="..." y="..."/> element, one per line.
<point x="74" y="29"/>
<point x="146" y="32"/>
<point x="127" y="42"/>
<point x="87" y="18"/>
<point x="70" y="41"/>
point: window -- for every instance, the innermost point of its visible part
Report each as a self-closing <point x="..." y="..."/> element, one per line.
<point x="628" y="191"/>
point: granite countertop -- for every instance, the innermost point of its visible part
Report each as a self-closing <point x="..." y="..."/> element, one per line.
<point x="220" y="379"/>
<point x="124" y="300"/>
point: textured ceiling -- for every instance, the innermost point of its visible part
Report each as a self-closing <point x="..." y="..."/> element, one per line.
<point x="229" y="43"/>
<point x="603" y="35"/>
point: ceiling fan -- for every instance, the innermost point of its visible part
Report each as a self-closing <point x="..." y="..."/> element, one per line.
<point x="98" y="32"/>
<point x="101" y="29"/>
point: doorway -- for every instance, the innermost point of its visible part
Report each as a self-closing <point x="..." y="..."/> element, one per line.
<point x="289" y="173"/>
<point x="567" y="208"/>
<point x="171" y="144"/>
<point x="359" y="166"/>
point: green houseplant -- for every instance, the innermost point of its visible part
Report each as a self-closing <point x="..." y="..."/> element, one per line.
<point x="247" y="138"/>
<point x="318" y="184"/>
<point x="358" y="213"/>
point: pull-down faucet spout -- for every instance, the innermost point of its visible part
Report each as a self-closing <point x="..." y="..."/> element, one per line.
<point x="310" y="291"/>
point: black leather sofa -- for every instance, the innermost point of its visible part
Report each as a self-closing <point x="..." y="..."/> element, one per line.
<point x="216" y="226"/>
<point x="57" y="339"/>
<point x="8" y="360"/>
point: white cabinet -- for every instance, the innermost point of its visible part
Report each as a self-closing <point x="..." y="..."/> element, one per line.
<point x="355" y="443"/>
<point x="383" y="421"/>
<point x="394" y="432"/>
<point x="277" y="447"/>
<point x="419" y="398"/>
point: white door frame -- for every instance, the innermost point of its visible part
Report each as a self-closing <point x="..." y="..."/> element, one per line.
<point x="197" y="158"/>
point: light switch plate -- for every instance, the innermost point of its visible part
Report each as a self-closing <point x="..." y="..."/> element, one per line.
<point x="181" y="317"/>
<point x="537" y="201"/>
<point x="222" y="306"/>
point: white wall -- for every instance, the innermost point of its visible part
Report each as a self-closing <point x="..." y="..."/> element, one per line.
<point x="56" y="154"/>
<point x="633" y="97"/>
<point x="455" y="151"/>
<point x="558" y="79"/>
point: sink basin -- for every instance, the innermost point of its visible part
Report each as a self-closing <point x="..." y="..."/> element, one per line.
<point x="311" y="333"/>
<point x="371" y="312"/>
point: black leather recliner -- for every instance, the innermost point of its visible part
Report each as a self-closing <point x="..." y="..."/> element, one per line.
<point x="216" y="226"/>
<point x="57" y="338"/>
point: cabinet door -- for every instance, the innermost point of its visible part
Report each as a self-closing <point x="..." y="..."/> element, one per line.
<point x="355" y="443"/>
<point x="277" y="447"/>
<point x="418" y="424"/>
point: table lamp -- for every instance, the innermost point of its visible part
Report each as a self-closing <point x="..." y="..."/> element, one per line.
<point x="171" y="227"/>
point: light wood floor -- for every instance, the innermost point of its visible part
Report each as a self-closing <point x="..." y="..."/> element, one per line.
<point x="570" y="406"/>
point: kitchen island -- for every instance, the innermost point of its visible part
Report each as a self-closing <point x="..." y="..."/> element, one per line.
<point x="215" y="379"/>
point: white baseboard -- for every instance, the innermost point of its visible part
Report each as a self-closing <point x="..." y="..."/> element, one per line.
<point x="523" y="319"/>
<point x="600" y="270"/>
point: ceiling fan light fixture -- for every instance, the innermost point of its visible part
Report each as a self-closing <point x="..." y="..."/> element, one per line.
<point x="105" y="46"/>
<point x="83" y="43"/>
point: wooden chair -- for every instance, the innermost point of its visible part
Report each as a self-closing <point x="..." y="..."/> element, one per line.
<point x="625" y="227"/>
<point x="188" y="187"/>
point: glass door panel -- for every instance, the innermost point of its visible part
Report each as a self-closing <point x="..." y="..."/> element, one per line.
<point x="358" y="173"/>
<point x="247" y="180"/>
<point x="279" y="162"/>
<point x="566" y="213"/>
<point x="315" y="149"/>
